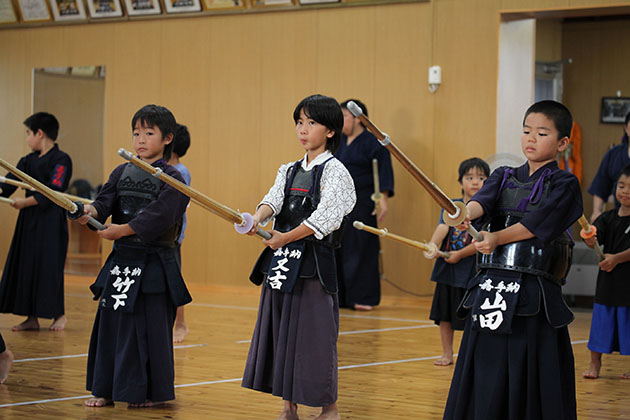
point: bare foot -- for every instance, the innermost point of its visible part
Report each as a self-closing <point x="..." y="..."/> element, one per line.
<point x="180" y="332"/>
<point x="359" y="307"/>
<point x="625" y="375"/>
<point x="329" y="413"/>
<point x="31" y="324"/>
<point x="593" y="371"/>
<point x="147" y="403"/>
<point x="98" y="402"/>
<point x="444" y="360"/>
<point x="59" y="323"/>
<point x="6" y="360"/>
<point x="289" y="412"/>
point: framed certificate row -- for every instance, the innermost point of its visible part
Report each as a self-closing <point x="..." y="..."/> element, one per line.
<point x="32" y="11"/>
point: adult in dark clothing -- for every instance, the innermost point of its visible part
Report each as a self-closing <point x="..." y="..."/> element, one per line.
<point x="32" y="280"/>
<point x="615" y="159"/>
<point x="360" y="286"/>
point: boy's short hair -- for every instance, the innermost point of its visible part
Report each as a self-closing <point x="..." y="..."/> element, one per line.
<point x="625" y="171"/>
<point x="556" y="112"/>
<point x="326" y="111"/>
<point x="624" y="139"/>
<point x="157" y="116"/>
<point x="472" y="163"/>
<point x="45" y="122"/>
<point x="181" y="142"/>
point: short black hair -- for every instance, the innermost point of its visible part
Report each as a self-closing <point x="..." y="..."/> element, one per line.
<point x="624" y="139"/>
<point x="556" y="112"/>
<point x="326" y="111"/>
<point x="625" y="171"/>
<point x="181" y="142"/>
<point x="160" y="117"/>
<point x="45" y="122"/>
<point x="472" y="163"/>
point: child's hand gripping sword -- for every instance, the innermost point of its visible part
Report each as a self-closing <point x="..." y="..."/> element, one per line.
<point x="26" y="186"/>
<point x="455" y="211"/>
<point x="75" y="210"/>
<point x="243" y="222"/>
<point x="588" y="231"/>
<point x="430" y="250"/>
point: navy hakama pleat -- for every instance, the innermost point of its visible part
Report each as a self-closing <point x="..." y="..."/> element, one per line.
<point x="359" y="258"/>
<point x="32" y="280"/>
<point x="131" y="354"/>
<point x="293" y="353"/>
<point x="446" y="300"/>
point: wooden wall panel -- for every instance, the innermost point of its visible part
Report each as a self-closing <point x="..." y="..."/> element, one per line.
<point x="77" y="102"/>
<point x="404" y="108"/>
<point x="234" y="80"/>
<point x="549" y="40"/>
<point x="599" y="68"/>
<point x="15" y="106"/>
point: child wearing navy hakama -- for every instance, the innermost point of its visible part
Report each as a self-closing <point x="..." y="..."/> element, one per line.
<point x="515" y="361"/>
<point x="610" y="327"/>
<point x="451" y="274"/>
<point x="33" y="278"/>
<point x="140" y="286"/>
<point x="293" y="353"/>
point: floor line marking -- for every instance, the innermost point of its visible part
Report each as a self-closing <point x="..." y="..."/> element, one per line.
<point x="411" y="327"/>
<point x="71" y="356"/>
<point x="252" y="308"/>
<point x="222" y="381"/>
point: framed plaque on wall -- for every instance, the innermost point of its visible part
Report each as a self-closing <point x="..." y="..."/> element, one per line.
<point x="104" y="8"/>
<point x="142" y="7"/>
<point x="179" y="6"/>
<point x="7" y="13"/>
<point x="67" y="10"/>
<point x="34" y="11"/>
<point x="223" y="4"/>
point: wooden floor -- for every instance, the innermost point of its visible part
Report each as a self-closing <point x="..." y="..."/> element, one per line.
<point x="385" y="357"/>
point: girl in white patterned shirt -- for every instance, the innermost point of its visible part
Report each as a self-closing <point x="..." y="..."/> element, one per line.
<point x="293" y="353"/>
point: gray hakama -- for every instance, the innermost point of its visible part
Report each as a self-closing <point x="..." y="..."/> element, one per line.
<point x="293" y="353"/>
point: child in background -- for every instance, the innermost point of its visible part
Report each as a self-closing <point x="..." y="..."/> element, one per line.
<point x="140" y="286"/>
<point x="452" y="274"/>
<point x="181" y="143"/>
<point x="32" y="280"/>
<point x="293" y="352"/>
<point x="610" y="327"/>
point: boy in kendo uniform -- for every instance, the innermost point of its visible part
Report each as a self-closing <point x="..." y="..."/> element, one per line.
<point x="516" y="360"/>
<point x="140" y="286"/>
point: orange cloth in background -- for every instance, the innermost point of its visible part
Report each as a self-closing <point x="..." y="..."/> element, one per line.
<point x="573" y="154"/>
